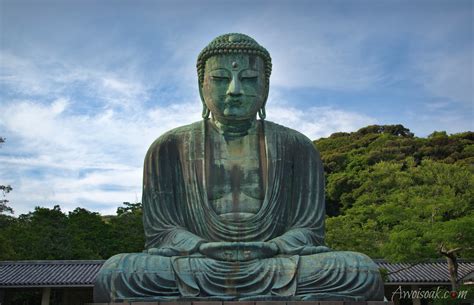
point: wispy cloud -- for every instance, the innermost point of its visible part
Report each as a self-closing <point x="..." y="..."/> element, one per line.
<point x="317" y="122"/>
<point x="31" y="77"/>
<point x="79" y="137"/>
<point x="448" y="75"/>
<point x="56" y="155"/>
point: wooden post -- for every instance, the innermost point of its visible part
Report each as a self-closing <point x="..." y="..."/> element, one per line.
<point x="416" y="301"/>
<point x="46" y="296"/>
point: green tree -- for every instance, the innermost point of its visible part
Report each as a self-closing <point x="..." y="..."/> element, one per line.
<point x="90" y="235"/>
<point x="127" y="233"/>
<point x="42" y="234"/>
<point x="4" y="189"/>
<point x="51" y="234"/>
<point x="6" y="246"/>
<point x="408" y="212"/>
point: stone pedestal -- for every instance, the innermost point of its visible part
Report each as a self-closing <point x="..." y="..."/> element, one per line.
<point x="249" y="303"/>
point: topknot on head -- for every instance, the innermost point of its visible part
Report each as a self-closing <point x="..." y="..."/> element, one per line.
<point x="233" y="43"/>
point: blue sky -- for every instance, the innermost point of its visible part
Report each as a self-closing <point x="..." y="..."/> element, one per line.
<point x="86" y="86"/>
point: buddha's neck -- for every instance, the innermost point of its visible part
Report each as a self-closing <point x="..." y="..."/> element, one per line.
<point x="233" y="128"/>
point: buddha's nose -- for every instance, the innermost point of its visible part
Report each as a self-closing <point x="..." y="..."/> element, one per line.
<point x="234" y="87"/>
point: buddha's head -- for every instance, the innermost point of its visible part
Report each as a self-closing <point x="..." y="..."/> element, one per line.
<point x="234" y="77"/>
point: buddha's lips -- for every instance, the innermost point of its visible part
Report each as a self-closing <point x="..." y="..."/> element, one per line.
<point x="233" y="102"/>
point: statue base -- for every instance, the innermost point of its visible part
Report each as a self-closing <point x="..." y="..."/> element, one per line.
<point x="251" y="303"/>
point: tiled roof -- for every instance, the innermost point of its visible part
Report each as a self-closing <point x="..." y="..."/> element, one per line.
<point x="82" y="273"/>
<point x="428" y="272"/>
<point x="49" y="273"/>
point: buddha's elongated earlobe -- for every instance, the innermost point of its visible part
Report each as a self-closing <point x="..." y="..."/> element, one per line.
<point x="261" y="113"/>
<point x="205" y="112"/>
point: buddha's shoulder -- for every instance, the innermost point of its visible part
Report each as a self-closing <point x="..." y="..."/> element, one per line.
<point x="176" y="134"/>
<point x="287" y="133"/>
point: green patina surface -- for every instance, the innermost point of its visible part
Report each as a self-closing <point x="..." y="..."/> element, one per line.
<point x="234" y="206"/>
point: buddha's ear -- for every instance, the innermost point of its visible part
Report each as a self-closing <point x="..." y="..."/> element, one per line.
<point x="261" y="112"/>
<point x="205" y="111"/>
<point x="200" y="93"/>
<point x="265" y="94"/>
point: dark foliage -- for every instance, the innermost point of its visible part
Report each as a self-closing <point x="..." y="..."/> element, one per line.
<point x="393" y="195"/>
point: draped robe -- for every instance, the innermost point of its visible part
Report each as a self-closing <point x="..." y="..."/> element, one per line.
<point x="178" y="217"/>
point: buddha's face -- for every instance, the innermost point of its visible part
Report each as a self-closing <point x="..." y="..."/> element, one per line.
<point x="234" y="86"/>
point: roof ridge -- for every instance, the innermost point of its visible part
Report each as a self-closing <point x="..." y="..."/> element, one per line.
<point x="52" y="262"/>
<point x="428" y="261"/>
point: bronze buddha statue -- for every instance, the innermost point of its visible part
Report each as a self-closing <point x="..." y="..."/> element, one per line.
<point x="234" y="206"/>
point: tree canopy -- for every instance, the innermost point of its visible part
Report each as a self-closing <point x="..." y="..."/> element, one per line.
<point x="395" y="196"/>
<point x="52" y="234"/>
<point x="4" y="189"/>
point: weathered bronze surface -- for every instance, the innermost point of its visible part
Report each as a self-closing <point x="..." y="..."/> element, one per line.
<point x="234" y="206"/>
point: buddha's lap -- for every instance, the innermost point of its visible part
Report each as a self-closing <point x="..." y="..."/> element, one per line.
<point x="309" y="266"/>
<point x="337" y="261"/>
<point x="331" y="275"/>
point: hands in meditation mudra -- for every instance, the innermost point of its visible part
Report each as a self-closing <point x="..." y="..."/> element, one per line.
<point x="233" y="207"/>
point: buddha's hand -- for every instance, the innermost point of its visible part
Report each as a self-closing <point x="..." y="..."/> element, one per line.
<point x="238" y="251"/>
<point x="308" y="250"/>
<point x="166" y="252"/>
<point x="162" y="251"/>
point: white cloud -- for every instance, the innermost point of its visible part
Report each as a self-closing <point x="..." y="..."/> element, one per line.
<point x="323" y="65"/>
<point x="317" y="122"/>
<point x="69" y="158"/>
<point x="44" y="78"/>
<point x="22" y="75"/>
<point x="59" y="105"/>
<point x="78" y="134"/>
<point x="445" y="116"/>
<point x="76" y="159"/>
<point x="448" y="75"/>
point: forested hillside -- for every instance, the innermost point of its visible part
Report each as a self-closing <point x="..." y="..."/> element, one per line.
<point x="80" y="234"/>
<point x="389" y="194"/>
<point x="396" y="196"/>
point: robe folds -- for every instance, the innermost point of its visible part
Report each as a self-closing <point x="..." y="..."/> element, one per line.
<point x="178" y="218"/>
